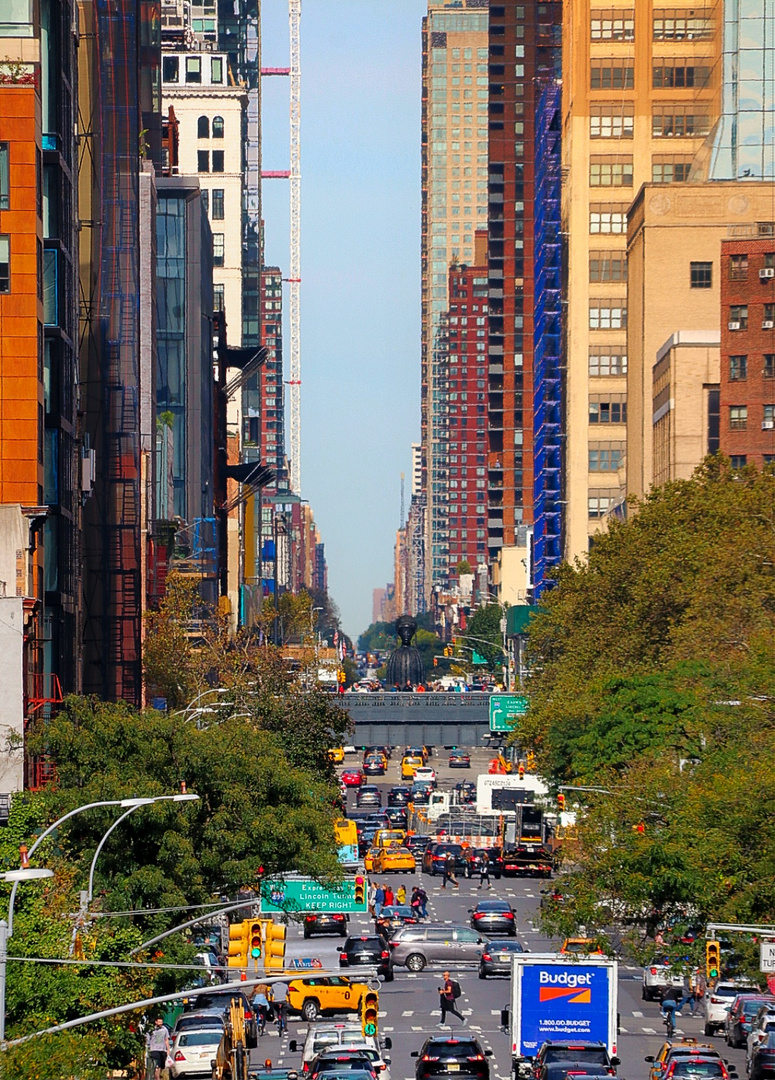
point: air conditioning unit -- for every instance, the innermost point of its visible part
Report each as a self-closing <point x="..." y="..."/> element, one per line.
<point x="768" y="425"/>
<point x="734" y="325"/>
<point x="768" y="324"/>
<point x="767" y="273"/>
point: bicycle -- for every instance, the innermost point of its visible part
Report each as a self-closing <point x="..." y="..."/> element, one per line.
<point x="669" y="1022"/>
<point x="281" y="1009"/>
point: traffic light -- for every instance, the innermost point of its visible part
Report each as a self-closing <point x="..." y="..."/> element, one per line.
<point x="370" y="1012"/>
<point x="256" y="941"/>
<point x="561" y="802"/>
<point x="360" y="890"/>
<point x="274" y="946"/>
<point x="531" y="760"/>
<point x="521" y="771"/>
<point x="435" y="661"/>
<point x="238" y="944"/>
<point x="712" y="959"/>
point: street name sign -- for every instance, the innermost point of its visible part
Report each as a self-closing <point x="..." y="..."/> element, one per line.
<point x="505" y="709"/>
<point x="301" y="895"/>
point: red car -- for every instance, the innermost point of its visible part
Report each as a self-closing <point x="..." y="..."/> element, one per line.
<point x="352" y="777"/>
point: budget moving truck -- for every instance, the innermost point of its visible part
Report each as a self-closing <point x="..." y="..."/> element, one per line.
<point x="561" y="998"/>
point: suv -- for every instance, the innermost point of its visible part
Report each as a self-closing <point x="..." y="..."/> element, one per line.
<point x="443" y="1055"/>
<point x="435" y="857"/>
<point x="584" y="1053"/>
<point x="414" y="947"/>
<point x="658" y="978"/>
<point x="324" y="922"/>
<point x="220" y="1001"/>
<point x="717" y="1004"/>
<point x="369" y="951"/>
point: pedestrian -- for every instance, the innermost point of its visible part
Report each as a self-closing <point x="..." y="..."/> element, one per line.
<point x="389" y="897"/>
<point x="415" y="904"/>
<point x="401" y="894"/>
<point x="484" y="871"/>
<point x="379" y="901"/>
<point x="449" y="992"/>
<point x="689" y="998"/>
<point x="423" y="898"/>
<point x="449" y="872"/>
<point x="670" y="1001"/>
<point x="280" y="1002"/>
<point x="372" y="894"/>
<point x="158" y="1046"/>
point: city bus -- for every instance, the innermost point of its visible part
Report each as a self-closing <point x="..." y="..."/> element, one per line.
<point x="346" y="834"/>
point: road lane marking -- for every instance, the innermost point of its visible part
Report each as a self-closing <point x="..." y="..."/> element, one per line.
<point x="636" y="1013"/>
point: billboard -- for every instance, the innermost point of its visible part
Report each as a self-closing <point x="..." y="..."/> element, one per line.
<point x="562" y="999"/>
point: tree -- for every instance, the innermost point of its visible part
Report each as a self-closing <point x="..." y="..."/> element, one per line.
<point x="463" y="567"/>
<point x="484" y="635"/>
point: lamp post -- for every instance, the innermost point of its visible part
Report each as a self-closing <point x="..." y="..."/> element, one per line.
<point x="24" y="873"/>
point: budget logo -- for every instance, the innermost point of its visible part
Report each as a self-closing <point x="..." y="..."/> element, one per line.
<point x="573" y="996"/>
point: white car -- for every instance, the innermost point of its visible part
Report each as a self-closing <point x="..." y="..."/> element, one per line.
<point x="193" y="1050"/>
<point x="717" y="1004"/>
<point x="426" y="774"/>
<point x="658" y="978"/>
<point x="330" y="1036"/>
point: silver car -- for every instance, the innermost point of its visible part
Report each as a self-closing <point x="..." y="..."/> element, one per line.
<point x="658" y="978"/>
<point x="414" y="947"/>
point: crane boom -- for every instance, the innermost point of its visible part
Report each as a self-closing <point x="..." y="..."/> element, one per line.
<point x="294" y="308"/>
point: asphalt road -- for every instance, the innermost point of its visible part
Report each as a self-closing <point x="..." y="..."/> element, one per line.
<point x="409" y="1006"/>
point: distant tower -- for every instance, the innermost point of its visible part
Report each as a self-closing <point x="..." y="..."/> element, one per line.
<point x="403" y="505"/>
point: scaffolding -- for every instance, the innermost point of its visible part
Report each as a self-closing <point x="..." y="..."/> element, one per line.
<point x="548" y="406"/>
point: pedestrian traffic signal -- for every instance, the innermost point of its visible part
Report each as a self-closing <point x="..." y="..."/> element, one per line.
<point x="274" y="946"/>
<point x="561" y="802"/>
<point x="712" y="959"/>
<point x="238" y="944"/>
<point x="360" y="889"/>
<point x="370" y="1012"/>
<point x="256" y="940"/>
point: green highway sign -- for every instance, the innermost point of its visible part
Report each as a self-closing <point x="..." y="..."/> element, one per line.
<point x="296" y="893"/>
<point x="505" y="709"/>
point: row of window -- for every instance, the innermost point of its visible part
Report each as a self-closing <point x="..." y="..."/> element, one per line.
<point x="214" y="203"/>
<point x="670" y="24"/>
<point x="666" y="73"/>
<point x="738" y="317"/>
<point x="204" y="158"/>
<point x="608" y="314"/>
<point x="203" y="127"/>
<point x="738" y="265"/>
<point x="617" y="121"/>
<point x="193" y="69"/>
<point x="738" y="417"/>
<point x="738" y="367"/>
<point x="616" y="170"/>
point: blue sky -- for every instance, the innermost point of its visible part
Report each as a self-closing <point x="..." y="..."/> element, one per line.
<point x="360" y="332"/>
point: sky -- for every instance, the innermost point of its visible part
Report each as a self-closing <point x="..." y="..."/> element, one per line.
<point x="360" y="265"/>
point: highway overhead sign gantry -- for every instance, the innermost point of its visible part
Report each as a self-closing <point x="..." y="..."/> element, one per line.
<point x="298" y="894"/>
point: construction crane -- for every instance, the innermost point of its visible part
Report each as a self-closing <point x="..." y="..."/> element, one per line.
<point x="294" y="270"/>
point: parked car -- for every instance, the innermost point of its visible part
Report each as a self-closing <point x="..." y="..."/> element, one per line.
<point x="368" y="950"/>
<point x="446" y="1055"/>
<point x="323" y="922"/>
<point x="718" y="1002"/>
<point x="435" y="857"/>
<point x="474" y="857"/>
<point x="658" y="977"/>
<point x="459" y="759"/>
<point x="368" y="795"/>
<point x="494" y="917"/>
<point x="219" y="1000"/>
<point x="192" y="1050"/>
<point x="762" y="1064"/>
<point x="740" y="1016"/>
<point x="414" y="947"/>
<point x="496" y="957"/>
<point x="194" y="1021"/>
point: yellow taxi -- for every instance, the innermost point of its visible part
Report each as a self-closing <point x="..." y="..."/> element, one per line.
<point x="394" y="860"/>
<point x="409" y="763"/>
<point x="368" y="859"/>
<point x="680" y="1048"/>
<point x="324" y="994"/>
<point x="389" y="838"/>
<point x="336" y="754"/>
<point x="422" y="751"/>
<point x="582" y="947"/>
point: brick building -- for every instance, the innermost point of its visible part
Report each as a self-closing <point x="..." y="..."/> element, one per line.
<point x="747" y="397"/>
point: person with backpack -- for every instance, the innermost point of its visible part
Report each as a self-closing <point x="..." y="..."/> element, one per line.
<point x="449" y="992"/>
<point x="423" y="898"/>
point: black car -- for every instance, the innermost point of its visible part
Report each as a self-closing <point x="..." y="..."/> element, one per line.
<point x="466" y="792"/>
<point x="475" y="856"/>
<point x="399" y="796"/>
<point x="367" y="950"/>
<point x="375" y="765"/>
<point x="436" y="856"/>
<point x="417" y="845"/>
<point x="494" y="917"/>
<point x="398" y="817"/>
<point x="496" y="957"/>
<point x="444" y="1055"/>
<point x="576" y="1070"/>
<point x="335" y="1061"/>
<point x="578" y="1051"/>
<point x="368" y="795"/>
<point x="763" y="1059"/>
<point x="421" y="792"/>
<point x="322" y="922"/>
<point x="393" y="917"/>
<point x="459" y="759"/>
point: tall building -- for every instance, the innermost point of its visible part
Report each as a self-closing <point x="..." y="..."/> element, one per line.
<point x="524" y="49"/>
<point x="747" y="391"/>
<point x="641" y="91"/>
<point x="454" y="206"/>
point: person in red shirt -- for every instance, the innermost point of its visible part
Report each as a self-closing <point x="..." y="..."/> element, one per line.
<point x="389" y="897"/>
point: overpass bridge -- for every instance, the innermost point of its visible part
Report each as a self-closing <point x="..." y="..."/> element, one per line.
<point x="410" y="719"/>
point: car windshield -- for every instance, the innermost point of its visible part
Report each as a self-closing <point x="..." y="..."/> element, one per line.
<point x="505" y="946"/>
<point x="402" y="911"/>
<point x="200" y="1038"/>
<point x="697" y="1068"/>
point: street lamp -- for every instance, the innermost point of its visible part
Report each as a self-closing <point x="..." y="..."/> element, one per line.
<point x="24" y="873"/>
<point x="199" y="696"/>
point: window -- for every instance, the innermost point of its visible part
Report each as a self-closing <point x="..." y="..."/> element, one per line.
<point x="676" y="72"/>
<point x="217" y="127"/>
<point x="610" y="411"/>
<point x="203" y="161"/>
<point x="738" y="317"/>
<point x="607" y="220"/>
<point x="678" y="121"/>
<point x="611" y="121"/>
<point x="5" y="178"/>
<point x="170" y="69"/>
<point x="607" y="314"/>
<point x="193" y="69"/>
<point x="206" y="199"/>
<point x="599" y="505"/>
<point x="738" y="368"/>
<point x="203" y="127"/>
<point x="769" y="260"/>
<point x="217" y="204"/>
<point x="738" y="267"/>
<point x="612" y="75"/>
<point x="610" y="171"/>
<point x="612" y="25"/>
<point x="607" y="457"/>
<point x="768" y="419"/>
<point x="671" y="24"/>
<point x="217" y="160"/>
<point x="768" y="321"/>
<point x="670" y="170"/>
<point x="607" y="361"/>
<point x="607" y="266"/>
<point x="738" y="417"/>
<point x="216" y="69"/>
<point x="218" y="249"/>
<point x="5" y="264"/>
<point x="700" y="275"/>
<point x="769" y="366"/>
<point x="738" y="461"/>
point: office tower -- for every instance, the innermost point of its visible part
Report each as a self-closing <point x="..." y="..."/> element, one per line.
<point x="454" y="205"/>
<point x="524" y="50"/>
<point x="641" y="90"/>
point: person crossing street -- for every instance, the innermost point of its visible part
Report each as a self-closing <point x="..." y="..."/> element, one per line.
<point x="449" y="992"/>
<point x="484" y="871"/>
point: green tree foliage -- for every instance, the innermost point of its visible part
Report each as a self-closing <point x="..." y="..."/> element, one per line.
<point x="463" y="567"/>
<point x="484" y="636"/>
<point x="377" y="637"/>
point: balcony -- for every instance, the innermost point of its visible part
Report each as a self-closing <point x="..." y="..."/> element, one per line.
<point x="53" y="287"/>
